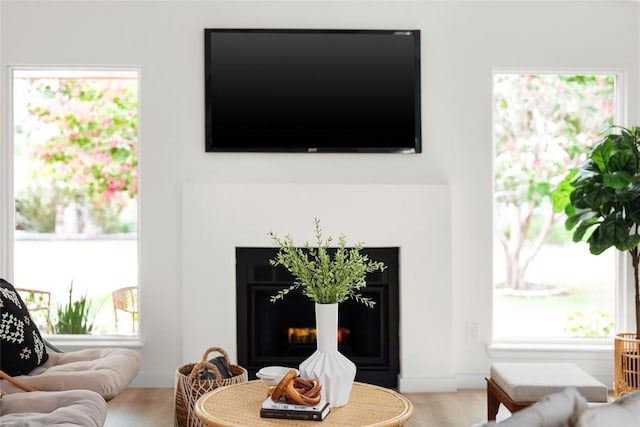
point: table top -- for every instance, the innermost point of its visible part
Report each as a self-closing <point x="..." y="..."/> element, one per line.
<point x="239" y="405"/>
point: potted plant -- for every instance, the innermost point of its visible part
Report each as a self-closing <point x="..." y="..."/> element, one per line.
<point x="327" y="277"/>
<point x="601" y="198"/>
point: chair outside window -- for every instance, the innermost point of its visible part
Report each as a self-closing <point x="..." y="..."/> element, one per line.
<point x="126" y="300"/>
<point x="38" y="303"/>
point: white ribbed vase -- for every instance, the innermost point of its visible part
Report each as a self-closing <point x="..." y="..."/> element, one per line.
<point x="334" y="371"/>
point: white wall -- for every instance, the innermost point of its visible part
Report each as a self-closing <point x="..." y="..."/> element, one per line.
<point x="462" y="42"/>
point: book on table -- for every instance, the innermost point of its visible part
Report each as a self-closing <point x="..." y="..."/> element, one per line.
<point x="271" y="409"/>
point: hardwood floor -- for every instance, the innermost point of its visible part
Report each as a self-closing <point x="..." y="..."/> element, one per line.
<point x="153" y="407"/>
<point x="141" y="407"/>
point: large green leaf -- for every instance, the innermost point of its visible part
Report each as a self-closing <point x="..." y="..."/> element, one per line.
<point x="628" y="195"/>
<point x="615" y="230"/>
<point x="561" y="196"/>
<point x="601" y="153"/>
<point x="630" y="242"/>
<point x="593" y="197"/>
<point x="584" y="218"/>
<point x="618" y="180"/>
<point x="624" y="160"/>
<point x="585" y="171"/>
<point x="598" y="242"/>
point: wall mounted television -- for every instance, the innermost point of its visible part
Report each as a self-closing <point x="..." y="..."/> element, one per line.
<point x="295" y="90"/>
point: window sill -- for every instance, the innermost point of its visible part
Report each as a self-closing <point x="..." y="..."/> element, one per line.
<point x="597" y="348"/>
<point x="72" y="342"/>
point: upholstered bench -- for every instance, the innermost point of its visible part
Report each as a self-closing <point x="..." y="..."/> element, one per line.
<point x="519" y="385"/>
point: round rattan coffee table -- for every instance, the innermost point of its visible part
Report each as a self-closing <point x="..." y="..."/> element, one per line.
<point x="239" y="405"/>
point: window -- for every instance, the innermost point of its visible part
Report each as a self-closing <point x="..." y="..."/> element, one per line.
<point x="545" y="285"/>
<point x="75" y="188"/>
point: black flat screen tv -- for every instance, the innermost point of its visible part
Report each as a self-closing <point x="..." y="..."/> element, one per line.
<point x="282" y="90"/>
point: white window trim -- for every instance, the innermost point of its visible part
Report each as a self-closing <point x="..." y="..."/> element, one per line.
<point x="6" y="177"/>
<point x="7" y="209"/>
<point x="576" y="348"/>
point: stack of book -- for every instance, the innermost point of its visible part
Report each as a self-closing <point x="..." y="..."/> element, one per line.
<point x="271" y="409"/>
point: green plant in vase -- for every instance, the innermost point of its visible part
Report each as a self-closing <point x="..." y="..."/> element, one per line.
<point x="322" y="277"/>
<point x="74" y="317"/>
<point x="327" y="276"/>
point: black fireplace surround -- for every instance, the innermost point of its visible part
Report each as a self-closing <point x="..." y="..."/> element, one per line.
<point x="282" y="333"/>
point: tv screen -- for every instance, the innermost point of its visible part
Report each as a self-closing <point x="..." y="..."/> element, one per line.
<point x="312" y="90"/>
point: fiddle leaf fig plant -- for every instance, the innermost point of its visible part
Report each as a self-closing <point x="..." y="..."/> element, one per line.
<point x="322" y="277"/>
<point x="601" y="198"/>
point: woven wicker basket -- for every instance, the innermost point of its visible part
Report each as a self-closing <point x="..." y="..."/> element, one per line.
<point x="626" y="364"/>
<point x="189" y="388"/>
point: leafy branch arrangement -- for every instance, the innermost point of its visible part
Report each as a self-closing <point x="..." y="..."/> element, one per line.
<point x="322" y="278"/>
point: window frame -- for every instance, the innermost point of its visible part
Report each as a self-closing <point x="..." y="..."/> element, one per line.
<point x="554" y="348"/>
<point x="7" y="201"/>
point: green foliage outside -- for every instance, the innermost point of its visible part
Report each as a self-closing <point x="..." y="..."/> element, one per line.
<point x="89" y="156"/>
<point x="322" y="278"/>
<point x="543" y="126"/>
<point x="592" y="324"/>
<point x="36" y="210"/>
<point x="74" y="317"/>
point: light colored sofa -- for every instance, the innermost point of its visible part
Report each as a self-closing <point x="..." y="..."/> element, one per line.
<point x="569" y="408"/>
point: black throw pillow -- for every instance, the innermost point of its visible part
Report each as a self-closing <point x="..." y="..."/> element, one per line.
<point x="21" y="345"/>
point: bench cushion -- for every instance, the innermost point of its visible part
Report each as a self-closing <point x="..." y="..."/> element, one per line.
<point x="71" y="408"/>
<point x="107" y="371"/>
<point x="529" y="382"/>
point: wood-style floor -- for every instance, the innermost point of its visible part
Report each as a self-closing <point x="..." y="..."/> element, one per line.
<point x="153" y="407"/>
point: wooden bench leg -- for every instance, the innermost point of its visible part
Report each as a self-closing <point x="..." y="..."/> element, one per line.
<point x="493" y="403"/>
<point x="496" y="395"/>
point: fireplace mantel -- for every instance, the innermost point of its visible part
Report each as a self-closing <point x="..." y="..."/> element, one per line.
<point x="217" y="218"/>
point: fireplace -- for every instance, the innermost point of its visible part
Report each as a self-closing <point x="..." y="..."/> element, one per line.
<point x="283" y="332"/>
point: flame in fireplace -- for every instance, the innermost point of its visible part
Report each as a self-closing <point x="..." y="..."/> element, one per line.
<point x="309" y="336"/>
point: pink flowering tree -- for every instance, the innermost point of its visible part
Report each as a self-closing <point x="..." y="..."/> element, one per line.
<point x="543" y="126"/>
<point x="90" y="157"/>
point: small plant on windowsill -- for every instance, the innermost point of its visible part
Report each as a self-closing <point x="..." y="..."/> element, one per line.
<point x="601" y="198"/>
<point x="323" y="278"/>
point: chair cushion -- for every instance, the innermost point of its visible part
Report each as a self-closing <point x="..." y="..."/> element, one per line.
<point x="21" y="345"/>
<point x="529" y="382"/>
<point x="623" y="412"/>
<point x="106" y="371"/>
<point x="70" y="408"/>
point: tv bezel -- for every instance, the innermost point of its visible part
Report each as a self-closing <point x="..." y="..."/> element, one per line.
<point x="417" y="146"/>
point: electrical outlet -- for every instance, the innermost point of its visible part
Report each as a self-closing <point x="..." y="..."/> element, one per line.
<point x="472" y="333"/>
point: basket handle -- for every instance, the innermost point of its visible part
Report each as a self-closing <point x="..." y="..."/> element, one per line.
<point x="220" y="350"/>
<point x="204" y="364"/>
<point x="15" y="382"/>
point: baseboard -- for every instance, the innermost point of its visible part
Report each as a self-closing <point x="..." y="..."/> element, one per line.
<point x="154" y="380"/>
<point x="427" y="385"/>
<point x="471" y="381"/>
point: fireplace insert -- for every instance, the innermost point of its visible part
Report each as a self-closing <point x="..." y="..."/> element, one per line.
<point x="283" y="332"/>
